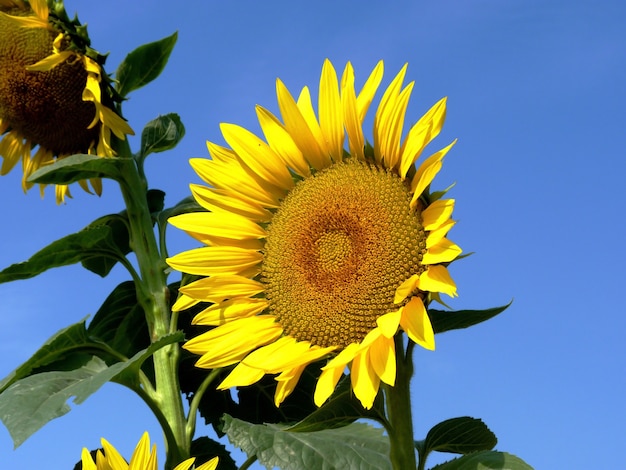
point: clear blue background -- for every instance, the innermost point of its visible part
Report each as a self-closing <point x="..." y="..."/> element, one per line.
<point x="536" y="98"/>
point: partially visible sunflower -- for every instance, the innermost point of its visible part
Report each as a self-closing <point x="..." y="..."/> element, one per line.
<point x="314" y="251"/>
<point x="55" y="98"/>
<point x="143" y="458"/>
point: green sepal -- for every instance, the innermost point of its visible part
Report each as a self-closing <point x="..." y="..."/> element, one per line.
<point x="71" y="249"/>
<point x="161" y="134"/>
<point x="485" y="460"/>
<point x="443" y="320"/>
<point x="462" y="435"/>
<point x="357" y="445"/>
<point x="29" y="403"/>
<point x="144" y="64"/>
<point x="79" y="167"/>
<point x="340" y="410"/>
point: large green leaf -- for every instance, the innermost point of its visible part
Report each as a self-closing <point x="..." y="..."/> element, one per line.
<point x="79" y="167"/>
<point x="144" y="64"/>
<point x="357" y="445"/>
<point x="462" y="435"/>
<point x="29" y="403"/>
<point x="485" y="460"/>
<point x="68" y="250"/>
<point x="62" y="344"/>
<point x="160" y="134"/>
<point x="443" y="320"/>
<point x="120" y="321"/>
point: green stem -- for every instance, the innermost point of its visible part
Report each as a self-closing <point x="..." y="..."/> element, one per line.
<point x="153" y="296"/>
<point x="195" y="403"/>
<point x="398" y="405"/>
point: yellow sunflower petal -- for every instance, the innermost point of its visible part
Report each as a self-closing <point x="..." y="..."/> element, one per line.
<point x="443" y="252"/>
<point x="284" y="354"/>
<point x="365" y="381"/>
<point x="230" y="342"/>
<point x="365" y="97"/>
<point x="330" y="112"/>
<point x="437" y="214"/>
<point x="437" y="279"/>
<point x="435" y="236"/>
<point x="183" y="302"/>
<point x="389" y="322"/>
<point x="298" y="129"/>
<point x="427" y="172"/>
<point x="241" y="375"/>
<point x="210" y="465"/>
<point x="382" y="354"/>
<point x="231" y="177"/>
<point x="286" y="383"/>
<point x="27" y="21"/>
<point x="381" y="138"/>
<point x="326" y="383"/>
<point x="212" y="260"/>
<point x="220" y="200"/>
<point x="218" y="288"/>
<point x="281" y="142"/>
<point x="40" y="7"/>
<point x="421" y="134"/>
<point x="112" y="455"/>
<point x="185" y="464"/>
<point x="218" y="224"/>
<point x="257" y="155"/>
<point x="416" y="323"/>
<point x="87" y="460"/>
<point x="393" y="122"/>
<point x="406" y="288"/>
<point x="223" y="312"/>
<point x="48" y="63"/>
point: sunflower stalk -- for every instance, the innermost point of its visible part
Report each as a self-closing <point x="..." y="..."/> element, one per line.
<point x="153" y="296"/>
<point x="399" y="411"/>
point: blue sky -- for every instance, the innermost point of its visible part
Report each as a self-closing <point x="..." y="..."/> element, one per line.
<point x="536" y="98"/>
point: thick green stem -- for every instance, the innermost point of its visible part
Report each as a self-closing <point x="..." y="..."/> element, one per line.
<point x="398" y="405"/>
<point x="153" y="296"/>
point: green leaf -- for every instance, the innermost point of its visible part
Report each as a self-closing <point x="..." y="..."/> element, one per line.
<point x="357" y="445"/>
<point x="160" y="134"/>
<point x="341" y="410"/>
<point x="29" y="403"/>
<point x="120" y="322"/>
<point x="204" y="449"/>
<point x="144" y="64"/>
<point x="443" y="320"/>
<point x="113" y="247"/>
<point x="60" y="345"/>
<point x="79" y="167"/>
<point x="485" y="460"/>
<point x="71" y="249"/>
<point x="462" y="435"/>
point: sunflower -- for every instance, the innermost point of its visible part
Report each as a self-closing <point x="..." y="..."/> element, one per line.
<point x="313" y="251"/>
<point x="144" y="458"/>
<point x="55" y="98"/>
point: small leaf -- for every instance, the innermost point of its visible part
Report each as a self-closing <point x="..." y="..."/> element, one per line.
<point x="68" y="250"/>
<point x="79" y="167"/>
<point x="462" y="435"/>
<point x="31" y="402"/>
<point x="112" y="248"/>
<point x="160" y="134"/>
<point x="357" y="445"/>
<point x="443" y="320"/>
<point x="485" y="460"/>
<point x="144" y="64"/>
